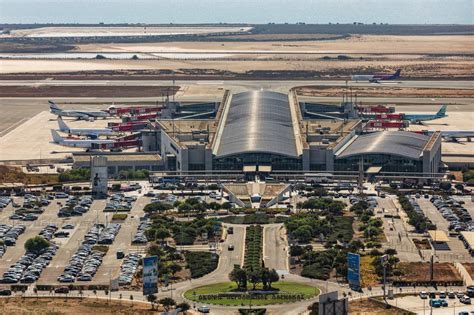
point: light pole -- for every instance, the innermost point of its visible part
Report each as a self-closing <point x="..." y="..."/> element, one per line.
<point x="384" y="259"/>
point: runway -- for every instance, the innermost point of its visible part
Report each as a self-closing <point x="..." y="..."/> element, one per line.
<point x="249" y="84"/>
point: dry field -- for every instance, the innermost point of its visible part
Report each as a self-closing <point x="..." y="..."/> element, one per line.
<point x="70" y="306"/>
<point x="419" y="272"/>
<point x="369" y="307"/>
<point x="419" y="56"/>
<point x="363" y="44"/>
<point x="384" y="91"/>
<point x="470" y="268"/>
<point x="291" y="69"/>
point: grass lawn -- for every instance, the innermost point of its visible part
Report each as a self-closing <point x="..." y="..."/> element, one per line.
<point x="285" y="288"/>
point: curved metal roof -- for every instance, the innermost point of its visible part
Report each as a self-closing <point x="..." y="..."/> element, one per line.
<point x="400" y="143"/>
<point x="258" y="121"/>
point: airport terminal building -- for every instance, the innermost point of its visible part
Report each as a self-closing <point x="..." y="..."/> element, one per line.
<point x="265" y="131"/>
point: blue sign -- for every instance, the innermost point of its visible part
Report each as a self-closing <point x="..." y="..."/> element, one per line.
<point x="150" y="275"/>
<point x="353" y="270"/>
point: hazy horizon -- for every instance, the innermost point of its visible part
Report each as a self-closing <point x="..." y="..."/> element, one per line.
<point x="242" y="11"/>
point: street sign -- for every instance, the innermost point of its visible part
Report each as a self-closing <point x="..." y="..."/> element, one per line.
<point x="353" y="270"/>
<point x="150" y="275"/>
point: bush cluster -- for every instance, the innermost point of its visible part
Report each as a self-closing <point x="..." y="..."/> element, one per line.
<point x="201" y="263"/>
<point x="253" y="248"/>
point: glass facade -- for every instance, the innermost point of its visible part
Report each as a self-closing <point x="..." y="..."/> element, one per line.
<point x="389" y="163"/>
<point x="237" y="162"/>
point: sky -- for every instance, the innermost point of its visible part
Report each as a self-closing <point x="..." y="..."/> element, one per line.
<point x="238" y="11"/>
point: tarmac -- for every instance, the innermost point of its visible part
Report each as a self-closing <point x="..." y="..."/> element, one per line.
<point x="32" y="139"/>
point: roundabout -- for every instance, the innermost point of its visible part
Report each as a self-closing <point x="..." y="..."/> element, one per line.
<point x="227" y="294"/>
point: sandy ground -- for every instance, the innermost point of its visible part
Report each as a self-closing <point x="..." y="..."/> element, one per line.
<point x="118" y="31"/>
<point x="365" y="44"/>
<point x="411" y="68"/>
<point x="71" y="306"/>
<point x="367" y="307"/>
<point x="418" y="56"/>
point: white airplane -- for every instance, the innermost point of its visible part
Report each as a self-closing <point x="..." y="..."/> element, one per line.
<point x="79" y="114"/>
<point x="79" y="143"/>
<point x="453" y="135"/>
<point x="93" y="133"/>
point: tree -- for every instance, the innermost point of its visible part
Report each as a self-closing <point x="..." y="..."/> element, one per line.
<point x="254" y="277"/>
<point x="36" y="245"/>
<point x="183" y="306"/>
<point x="174" y="268"/>
<point x="459" y="186"/>
<point x="152" y="299"/>
<point x="265" y="275"/>
<point x="226" y="205"/>
<point x="162" y="233"/>
<point x="167" y="303"/>
<point x="445" y="185"/>
<point x="239" y="276"/>
<point x="272" y="278"/>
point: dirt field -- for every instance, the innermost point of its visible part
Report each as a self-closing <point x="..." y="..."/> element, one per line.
<point x="470" y="268"/>
<point x="87" y="91"/>
<point x="71" y="306"/>
<point x="384" y="91"/>
<point x="369" y="307"/>
<point x="243" y="68"/>
<point x="419" y="272"/>
<point x="357" y="44"/>
<point x="419" y="56"/>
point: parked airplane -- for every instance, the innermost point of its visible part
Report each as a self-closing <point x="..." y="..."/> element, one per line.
<point x="452" y="135"/>
<point x="376" y="77"/>
<point x="418" y="118"/>
<point x="93" y="133"/>
<point x="79" y="143"/>
<point x="79" y="114"/>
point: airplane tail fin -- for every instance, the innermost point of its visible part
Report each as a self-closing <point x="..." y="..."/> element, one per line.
<point x="442" y="111"/>
<point x="56" y="137"/>
<point x="397" y="73"/>
<point x="62" y="125"/>
<point x="53" y="106"/>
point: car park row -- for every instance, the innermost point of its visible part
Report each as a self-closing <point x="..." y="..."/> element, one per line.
<point x="9" y="234"/>
<point x="458" y="217"/>
<point x="128" y="268"/>
<point x="75" y="206"/>
<point x="29" y="267"/>
<point x="441" y="301"/>
<point x="83" y="265"/>
<point x="140" y="236"/>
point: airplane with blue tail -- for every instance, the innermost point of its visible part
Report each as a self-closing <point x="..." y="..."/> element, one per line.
<point x="418" y="118"/>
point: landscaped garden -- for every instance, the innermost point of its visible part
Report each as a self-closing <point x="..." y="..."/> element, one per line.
<point x="228" y="293"/>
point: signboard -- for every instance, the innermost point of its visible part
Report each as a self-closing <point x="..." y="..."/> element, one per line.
<point x="114" y="284"/>
<point x="150" y="275"/>
<point x="330" y="304"/>
<point x="353" y="270"/>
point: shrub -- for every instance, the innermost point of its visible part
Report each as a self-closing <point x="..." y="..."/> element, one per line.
<point x="200" y="263"/>
<point x="119" y="216"/>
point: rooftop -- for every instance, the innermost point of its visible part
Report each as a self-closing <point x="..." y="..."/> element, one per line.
<point x="258" y="121"/>
<point x="405" y="144"/>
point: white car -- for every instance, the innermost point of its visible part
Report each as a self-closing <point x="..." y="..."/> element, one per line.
<point x="423" y="295"/>
<point x="204" y="309"/>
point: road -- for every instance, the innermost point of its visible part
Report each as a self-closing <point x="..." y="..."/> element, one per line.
<point x="275" y="248"/>
<point x="249" y="84"/>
